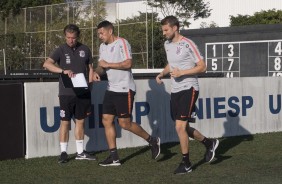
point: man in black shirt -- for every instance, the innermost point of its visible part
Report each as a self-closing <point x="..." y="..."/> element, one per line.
<point x="68" y="60"/>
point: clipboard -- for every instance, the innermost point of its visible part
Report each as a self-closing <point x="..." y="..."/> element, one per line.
<point x="79" y="81"/>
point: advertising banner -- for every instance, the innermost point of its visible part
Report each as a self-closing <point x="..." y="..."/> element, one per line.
<point x="225" y="107"/>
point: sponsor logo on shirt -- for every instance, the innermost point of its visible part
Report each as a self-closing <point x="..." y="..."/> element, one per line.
<point x="68" y="60"/>
<point x="81" y="53"/>
<point x="181" y="43"/>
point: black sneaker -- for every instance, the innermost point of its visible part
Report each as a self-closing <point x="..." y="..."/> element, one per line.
<point x="156" y="147"/>
<point x="84" y="156"/>
<point x="183" y="168"/>
<point x="63" y="158"/>
<point x="110" y="162"/>
<point x="211" y="150"/>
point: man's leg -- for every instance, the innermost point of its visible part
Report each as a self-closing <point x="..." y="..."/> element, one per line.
<point x="210" y="144"/>
<point x="79" y="129"/>
<point x="79" y="139"/>
<point x="133" y="127"/>
<point x="64" y="138"/>
<point x="110" y="132"/>
<point x="185" y="165"/>
<point x="195" y="134"/>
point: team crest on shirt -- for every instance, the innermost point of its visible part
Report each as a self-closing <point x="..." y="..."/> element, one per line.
<point x="81" y="53"/>
<point x="62" y="113"/>
<point x="179" y="50"/>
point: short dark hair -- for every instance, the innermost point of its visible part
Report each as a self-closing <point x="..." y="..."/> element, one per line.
<point x="171" y="20"/>
<point x="106" y="24"/>
<point x="72" y="28"/>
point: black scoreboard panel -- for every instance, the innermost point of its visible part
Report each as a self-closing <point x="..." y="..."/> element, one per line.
<point x="242" y="59"/>
<point x="246" y="51"/>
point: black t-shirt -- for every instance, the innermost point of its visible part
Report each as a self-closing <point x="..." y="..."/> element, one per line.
<point x="76" y="59"/>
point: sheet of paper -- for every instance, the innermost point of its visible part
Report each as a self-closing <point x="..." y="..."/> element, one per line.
<point x="79" y="81"/>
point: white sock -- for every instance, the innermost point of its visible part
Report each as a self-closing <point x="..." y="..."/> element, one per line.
<point x="79" y="146"/>
<point x="63" y="146"/>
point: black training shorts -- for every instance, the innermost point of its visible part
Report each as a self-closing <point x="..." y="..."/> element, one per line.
<point x="78" y="107"/>
<point x="182" y="104"/>
<point x="118" y="103"/>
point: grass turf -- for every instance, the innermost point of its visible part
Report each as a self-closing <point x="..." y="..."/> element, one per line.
<point x="243" y="159"/>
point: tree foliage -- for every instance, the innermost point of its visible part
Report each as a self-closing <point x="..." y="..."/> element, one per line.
<point x="204" y="25"/>
<point x="15" y="6"/>
<point x="263" y="17"/>
<point x="135" y="29"/>
<point x="183" y="9"/>
<point x="31" y="35"/>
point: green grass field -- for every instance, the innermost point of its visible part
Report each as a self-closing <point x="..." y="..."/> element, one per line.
<point x="244" y="159"/>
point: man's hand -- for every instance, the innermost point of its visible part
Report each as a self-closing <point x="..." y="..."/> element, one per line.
<point x="175" y="73"/>
<point x="69" y="73"/>
<point x="158" y="78"/>
<point x="96" y="77"/>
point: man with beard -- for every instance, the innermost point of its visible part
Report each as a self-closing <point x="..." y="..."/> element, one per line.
<point x="184" y="63"/>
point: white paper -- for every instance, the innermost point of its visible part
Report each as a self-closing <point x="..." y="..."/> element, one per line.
<point x="79" y="81"/>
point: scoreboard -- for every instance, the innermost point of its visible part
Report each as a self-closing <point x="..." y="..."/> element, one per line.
<point x="242" y="51"/>
<point x="234" y="59"/>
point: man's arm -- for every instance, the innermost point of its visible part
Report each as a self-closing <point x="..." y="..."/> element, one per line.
<point x="124" y="65"/>
<point x="100" y="70"/>
<point x="49" y="64"/>
<point x="199" y="68"/>
<point x="165" y="71"/>
<point x="91" y="73"/>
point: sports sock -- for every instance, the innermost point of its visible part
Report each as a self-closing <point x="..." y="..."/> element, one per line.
<point x="63" y="146"/>
<point x="151" y="140"/>
<point x="79" y="146"/>
<point x="207" y="142"/>
<point x="114" y="154"/>
<point x="185" y="158"/>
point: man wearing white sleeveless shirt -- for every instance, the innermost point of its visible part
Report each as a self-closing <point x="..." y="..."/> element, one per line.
<point x="115" y="58"/>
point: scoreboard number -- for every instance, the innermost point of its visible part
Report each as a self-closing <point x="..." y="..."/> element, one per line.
<point x="278" y="48"/>
<point x="275" y="65"/>
<point x="258" y="58"/>
<point x="231" y="53"/>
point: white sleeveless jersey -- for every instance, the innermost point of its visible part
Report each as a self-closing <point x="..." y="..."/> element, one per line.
<point x="183" y="55"/>
<point x="116" y="52"/>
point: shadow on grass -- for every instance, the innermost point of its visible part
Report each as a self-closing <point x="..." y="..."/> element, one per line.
<point x="225" y="144"/>
<point x="228" y="143"/>
<point x="92" y="153"/>
<point x="166" y="151"/>
<point x="232" y="127"/>
<point x="141" y="151"/>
